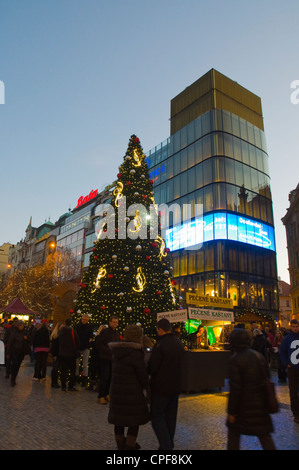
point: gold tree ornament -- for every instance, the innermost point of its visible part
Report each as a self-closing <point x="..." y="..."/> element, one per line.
<point x="137" y="161"/>
<point x="141" y="280"/>
<point x="102" y="273"/>
<point x="118" y="192"/>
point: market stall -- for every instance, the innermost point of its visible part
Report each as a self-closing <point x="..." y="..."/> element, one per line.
<point x="205" y="364"/>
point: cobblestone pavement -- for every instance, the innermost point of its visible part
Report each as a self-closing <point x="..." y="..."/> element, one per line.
<point x="34" y="416"/>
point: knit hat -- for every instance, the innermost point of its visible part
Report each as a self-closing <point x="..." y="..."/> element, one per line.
<point x="133" y="333"/>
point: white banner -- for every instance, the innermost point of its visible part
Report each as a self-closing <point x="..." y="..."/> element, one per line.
<point x="174" y="316"/>
<point x="207" y="314"/>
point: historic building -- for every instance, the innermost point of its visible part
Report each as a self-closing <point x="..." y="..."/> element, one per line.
<point x="291" y="222"/>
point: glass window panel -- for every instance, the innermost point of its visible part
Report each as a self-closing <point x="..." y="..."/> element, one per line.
<point x="247" y="176"/>
<point x="199" y="197"/>
<point x="228" y="145"/>
<point x="183" y="137"/>
<point x="233" y="290"/>
<point x="237" y="149"/>
<point x="200" y="265"/>
<point x="243" y="292"/>
<point x="257" y="137"/>
<point x="243" y="129"/>
<point x="229" y="171"/>
<point x="235" y="125"/>
<point x="199" y="178"/>
<point x="252" y="156"/>
<point x="218" y="119"/>
<point x="220" y="258"/>
<point x="242" y="198"/>
<point x="266" y="163"/>
<point x="191" y="262"/>
<point x="191" y="132"/>
<point x="191" y="202"/>
<point x="262" y="179"/>
<point x="170" y="167"/>
<point x="184" y="185"/>
<point x="197" y="128"/>
<point x="198" y="151"/>
<point x="177" y="164"/>
<point x="250" y="133"/>
<point x="184" y="263"/>
<point x="169" y="190"/>
<point x="243" y="267"/>
<point x="206" y="123"/>
<point x="256" y="207"/>
<point x="227" y="125"/>
<point x="260" y="160"/>
<point x="191" y="180"/>
<point x="207" y="172"/>
<point x="219" y="196"/>
<point x="218" y="144"/>
<point x="233" y="259"/>
<point x="158" y="156"/>
<point x="245" y="153"/>
<point x="254" y="180"/>
<point x="184" y="160"/>
<point x="210" y="284"/>
<point x="176" y="187"/>
<point x="239" y="174"/>
<point x="219" y="169"/>
<point x="207" y="147"/>
<point x="263" y="208"/>
<point x="176" y="142"/>
<point x="231" y="197"/>
<point x="191" y="156"/>
<point x="249" y="203"/>
<point x="176" y="264"/>
<point x="209" y="259"/>
<point x="208" y="199"/>
<point x="269" y="212"/>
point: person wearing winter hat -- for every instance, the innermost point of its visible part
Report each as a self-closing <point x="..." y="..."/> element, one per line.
<point x="128" y="403"/>
<point x="247" y="412"/>
<point x="289" y="353"/>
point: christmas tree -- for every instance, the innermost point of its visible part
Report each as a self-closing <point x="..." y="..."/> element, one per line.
<point x="129" y="273"/>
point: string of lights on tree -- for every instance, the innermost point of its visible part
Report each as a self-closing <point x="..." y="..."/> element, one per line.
<point x="129" y="275"/>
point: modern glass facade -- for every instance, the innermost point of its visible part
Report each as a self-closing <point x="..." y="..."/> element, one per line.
<point x="219" y="160"/>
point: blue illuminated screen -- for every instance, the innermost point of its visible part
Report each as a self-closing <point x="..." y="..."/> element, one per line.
<point x="220" y="226"/>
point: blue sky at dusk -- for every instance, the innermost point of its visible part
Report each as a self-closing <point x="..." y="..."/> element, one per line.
<point x="81" y="77"/>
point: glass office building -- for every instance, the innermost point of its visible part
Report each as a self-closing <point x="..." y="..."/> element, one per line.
<point x="216" y="158"/>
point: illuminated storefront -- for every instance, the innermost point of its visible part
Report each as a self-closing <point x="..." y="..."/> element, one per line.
<point x="216" y="158"/>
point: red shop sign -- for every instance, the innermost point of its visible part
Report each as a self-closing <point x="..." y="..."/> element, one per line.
<point x="82" y="200"/>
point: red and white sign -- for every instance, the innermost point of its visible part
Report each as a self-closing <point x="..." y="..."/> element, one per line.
<point x="82" y="200"/>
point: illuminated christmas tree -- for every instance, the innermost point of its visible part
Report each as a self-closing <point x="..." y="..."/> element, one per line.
<point x="129" y="273"/>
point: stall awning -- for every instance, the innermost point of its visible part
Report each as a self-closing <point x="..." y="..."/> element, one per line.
<point x="17" y="307"/>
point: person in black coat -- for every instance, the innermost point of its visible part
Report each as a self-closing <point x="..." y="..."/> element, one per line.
<point x="165" y="367"/>
<point x="128" y="403"/>
<point x="247" y="407"/>
<point x="68" y="347"/>
<point x="41" y="345"/>
<point x="107" y="335"/>
<point x="85" y="335"/>
<point x="16" y="349"/>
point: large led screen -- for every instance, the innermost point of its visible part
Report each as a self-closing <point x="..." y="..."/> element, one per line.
<point x="220" y="226"/>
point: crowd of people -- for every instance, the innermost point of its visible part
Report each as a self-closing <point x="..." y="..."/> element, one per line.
<point x="139" y="378"/>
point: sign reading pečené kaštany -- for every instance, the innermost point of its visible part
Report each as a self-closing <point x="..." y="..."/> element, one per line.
<point x="209" y="301"/>
<point x="207" y="314"/>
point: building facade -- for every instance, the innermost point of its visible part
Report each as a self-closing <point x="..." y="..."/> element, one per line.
<point x="291" y="222"/>
<point x="285" y="304"/>
<point x="216" y="159"/>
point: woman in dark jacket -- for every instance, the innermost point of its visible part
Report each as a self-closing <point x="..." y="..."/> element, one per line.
<point x="247" y="410"/>
<point x="41" y="345"/>
<point x="128" y="403"/>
